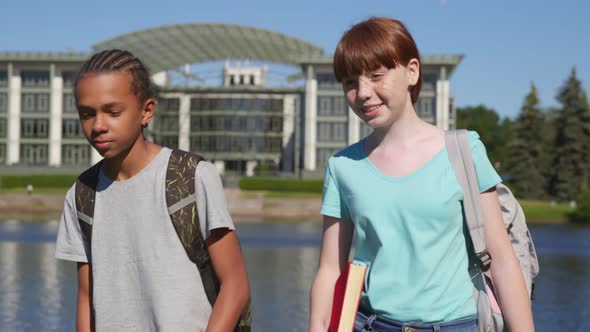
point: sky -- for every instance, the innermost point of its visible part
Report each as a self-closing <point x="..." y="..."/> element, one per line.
<point x="507" y="45"/>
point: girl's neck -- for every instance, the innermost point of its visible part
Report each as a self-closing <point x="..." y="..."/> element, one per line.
<point x="404" y="130"/>
<point x="129" y="163"/>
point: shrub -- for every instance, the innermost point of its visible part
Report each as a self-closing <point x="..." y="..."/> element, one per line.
<point x="581" y="215"/>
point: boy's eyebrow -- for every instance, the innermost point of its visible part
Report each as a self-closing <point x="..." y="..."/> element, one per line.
<point x="112" y="105"/>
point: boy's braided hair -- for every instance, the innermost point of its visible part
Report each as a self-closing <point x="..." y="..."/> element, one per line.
<point x="121" y="61"/>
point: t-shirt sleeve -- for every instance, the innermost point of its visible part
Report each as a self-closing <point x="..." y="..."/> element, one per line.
<point x="211" y="203"/>
<point x="487" y="177"/>
<point x="332" y="202"/>
<point x="70" y="244"/>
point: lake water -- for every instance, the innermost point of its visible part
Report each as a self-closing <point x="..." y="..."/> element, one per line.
<point x="38" y="292"/>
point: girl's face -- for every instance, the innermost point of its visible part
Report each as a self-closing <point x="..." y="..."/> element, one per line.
<point x="379" y="97"/>
<point x="111" y="115"/>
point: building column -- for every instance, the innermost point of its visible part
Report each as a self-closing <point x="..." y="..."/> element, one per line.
<point x="184" y="123"/>
<point x="55" y="117"/>
<point x="13" y="122"/>
<point x="288" y="133"/>
<point x="442" y="100"/>
<point x="354" y="127"/>
<point x="311" y="96"/>
<point x="250" y="165"/>
<point x="220" y="166"/>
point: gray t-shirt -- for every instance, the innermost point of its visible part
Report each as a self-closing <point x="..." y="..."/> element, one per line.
<point x="142" y="277"/>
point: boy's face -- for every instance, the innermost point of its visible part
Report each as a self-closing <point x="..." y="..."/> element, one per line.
<point x="111" y="115"/>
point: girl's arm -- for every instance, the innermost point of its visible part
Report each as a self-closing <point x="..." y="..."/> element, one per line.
<point x="505" y="268"/>
<point x="84" y="310"/>
<point x="336" y="240"/>
<point x="229" y="266"/>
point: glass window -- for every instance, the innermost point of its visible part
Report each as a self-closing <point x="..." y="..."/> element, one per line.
<point x="339" y="132"/>
<point x="3" y="131"/>
<point x="170" y="141"/>
<point x="168" y="104"/>
<point x="365" y="130"/>
<point x="277" y="124"/>
<point x="2" y="153"/>
<point x="324" y="105"/>
<point x="68" y="78"/>
<point x="323" y="133"/>
<point x="35" y="102"/>
<point x="71" y="128"/>
<point x="69" y="103"/>
<point x="3" y="78"/>
<point x="75" y="154"/>
<point x="33" y="154"/>
<point x="3" y="102"/>
<point x="35" y="128"/>
<point x="35" y="78"/>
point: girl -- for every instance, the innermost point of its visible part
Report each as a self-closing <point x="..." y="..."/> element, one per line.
<point x="397" y="189"/>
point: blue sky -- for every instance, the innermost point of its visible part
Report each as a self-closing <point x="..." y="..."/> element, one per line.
<point x="507" y="44"/>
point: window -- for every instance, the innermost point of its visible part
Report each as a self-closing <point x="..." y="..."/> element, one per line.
<point x="170" y="141"/>
<point x="324" y="132"/>
<point x="167" y="122"/>
<point x="322" y="156"/>
<point x="75" y="154"/>
<point x="3" y="102"/>
<point x="168" y="104"/>
<point x="68" y="78"/>
<point x="3" y="78"/>
<point x="33" y="154"/>
<point x="339" y="132"/>
<point x="69" y="103"/>
<point x="34" y="128"/>
<point x="325" y="105"/>
<point x="3" y="131"/>
<point x="71" y="128"/>
<point x="35" y="78"/>
<point x="35" y="102"/>
<point x="2" y="153"/>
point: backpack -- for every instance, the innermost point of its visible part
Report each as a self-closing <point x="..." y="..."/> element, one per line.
<point x="489" y="314"/>
<point x="182" y="208"/>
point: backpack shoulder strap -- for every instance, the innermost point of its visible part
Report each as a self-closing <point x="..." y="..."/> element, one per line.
<point x="85" y="194"/>
<point x="181" y="199"/>
<point x="459" y="150"/>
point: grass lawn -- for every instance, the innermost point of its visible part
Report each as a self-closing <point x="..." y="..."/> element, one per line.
<point x="37" y="191"/>
<point x="542" y="211"/>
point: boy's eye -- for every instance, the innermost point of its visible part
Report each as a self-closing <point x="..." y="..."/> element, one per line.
<point x="86" y="115"/>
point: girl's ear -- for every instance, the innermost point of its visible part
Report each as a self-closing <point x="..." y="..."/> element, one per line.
<point x="149" y="108"/>
<point x="413" y="69"/>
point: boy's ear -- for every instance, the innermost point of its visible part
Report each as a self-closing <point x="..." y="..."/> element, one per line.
<point x="149" y="108"/>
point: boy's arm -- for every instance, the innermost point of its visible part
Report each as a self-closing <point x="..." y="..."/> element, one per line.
<point x="84" y="321"/>
<point x="229" y="266"/>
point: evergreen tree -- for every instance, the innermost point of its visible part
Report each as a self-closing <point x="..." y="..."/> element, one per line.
<point x="525" y="150"/>
<point x="572" y="141"/>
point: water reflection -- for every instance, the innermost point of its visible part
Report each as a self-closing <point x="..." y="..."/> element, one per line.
<point x="38" y="292"/>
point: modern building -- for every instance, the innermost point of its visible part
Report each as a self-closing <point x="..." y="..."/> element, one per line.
<point x="243" y="123"/>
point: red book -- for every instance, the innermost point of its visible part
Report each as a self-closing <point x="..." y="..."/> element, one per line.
<point x="347" y="295"/>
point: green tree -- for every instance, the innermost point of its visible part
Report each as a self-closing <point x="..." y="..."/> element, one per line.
<point x="487" y="123"/>
<point x="525" y="150"/>
<point x="572" y="141"/>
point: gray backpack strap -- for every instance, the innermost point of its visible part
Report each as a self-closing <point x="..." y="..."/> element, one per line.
<point x="85" y="194"/>
<point x="459" y="150"/>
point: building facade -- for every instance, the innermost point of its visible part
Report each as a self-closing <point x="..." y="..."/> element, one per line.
<point x="243" y="125"/>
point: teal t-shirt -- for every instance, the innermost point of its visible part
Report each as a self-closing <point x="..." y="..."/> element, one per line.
<point x="409" y="232"/>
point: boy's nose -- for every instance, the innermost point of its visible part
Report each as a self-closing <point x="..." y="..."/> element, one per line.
<point x="99" y="124"/>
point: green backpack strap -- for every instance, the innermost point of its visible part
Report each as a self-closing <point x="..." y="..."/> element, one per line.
<point x="181" y="199"/>
<point x="85" y="194"/>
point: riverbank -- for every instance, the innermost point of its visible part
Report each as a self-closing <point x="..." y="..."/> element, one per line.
<point x="244" y="206"/>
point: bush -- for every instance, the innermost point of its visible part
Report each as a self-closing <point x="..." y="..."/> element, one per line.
<point x="37" y="180"/>
<point x="581" y="215"/>
<point x="274" y="184"/>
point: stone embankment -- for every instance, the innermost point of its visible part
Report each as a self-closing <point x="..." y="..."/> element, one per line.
<point x="243" y="206"/>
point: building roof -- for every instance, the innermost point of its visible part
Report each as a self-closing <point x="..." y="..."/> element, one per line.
<point x="171" y="46"/>
<point x="76" y="57"/>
